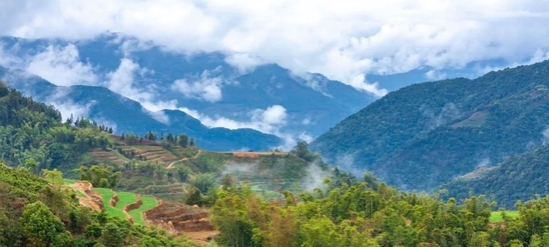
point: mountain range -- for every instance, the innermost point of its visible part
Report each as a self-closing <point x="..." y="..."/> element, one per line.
<point x="219" y="90"/>
<point x="425" y="135"/>
<point x="128" y="116"/>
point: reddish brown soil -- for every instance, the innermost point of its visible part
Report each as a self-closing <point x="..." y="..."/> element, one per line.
<point x="178" y="217"/>
<point x="93" y="200"/>
<point x="256" y="154"/>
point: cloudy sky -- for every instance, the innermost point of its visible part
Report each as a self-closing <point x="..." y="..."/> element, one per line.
<point x="343" y="40"/>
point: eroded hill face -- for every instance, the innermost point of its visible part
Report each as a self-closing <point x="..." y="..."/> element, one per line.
<point x="426" y="134"/>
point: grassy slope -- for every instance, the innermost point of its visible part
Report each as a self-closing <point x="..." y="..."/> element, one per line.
<point x="107" y="194"/>
<point x="137" y="214"/>
<point x="125" y="199"/>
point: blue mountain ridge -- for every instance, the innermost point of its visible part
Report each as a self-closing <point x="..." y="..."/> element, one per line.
<point x="129" y="116"/>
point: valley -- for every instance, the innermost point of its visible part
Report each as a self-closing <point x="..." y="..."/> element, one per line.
<point x="182" y="123"/>
<point x="117" y="190"/>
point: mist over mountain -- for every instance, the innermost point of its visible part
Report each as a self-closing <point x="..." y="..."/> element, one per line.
<point x="218" y="90"/>
<point x="426" y="134"/>
<point x="519" y="177"/>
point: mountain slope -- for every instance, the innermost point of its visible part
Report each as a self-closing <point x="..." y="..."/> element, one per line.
<point x="425" y="134"/>
<point x="521" y="177"/>
<point x="128" y="116"/>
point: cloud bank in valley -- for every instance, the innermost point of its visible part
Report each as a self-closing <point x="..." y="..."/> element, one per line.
<point x="344" y="40"/>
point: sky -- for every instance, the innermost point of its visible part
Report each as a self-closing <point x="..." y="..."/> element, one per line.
<point x="344" y="40"/>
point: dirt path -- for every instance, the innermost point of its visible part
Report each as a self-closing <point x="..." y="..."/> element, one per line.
<point x="184" y="159"/>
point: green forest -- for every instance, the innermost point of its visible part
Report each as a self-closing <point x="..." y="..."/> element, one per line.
<point x="347" y="212"/>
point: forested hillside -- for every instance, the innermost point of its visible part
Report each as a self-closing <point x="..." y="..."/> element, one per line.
<point x="32" y="134"/>
<point x="521" y="177"/>
<point x="425" y="134"/>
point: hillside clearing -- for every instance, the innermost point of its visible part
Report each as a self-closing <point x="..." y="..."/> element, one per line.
<point x="498" y="216"/>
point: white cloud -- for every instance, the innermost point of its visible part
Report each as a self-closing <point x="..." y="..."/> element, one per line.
<point x="274" y="115"/>
<point x="204" y="88"/>
<point x="160" y="116"/>
<point x="122" y="81"/>
<point x="435" y="75"/>
<point x="244" y="62"/>
<point x="68" y="107"/>
<point x="61" y="66"/>
<point x="342" y="40"/>
<point x="538" y="56"/>
<point x="7" y="59"/>
<point x="268" y="120"/>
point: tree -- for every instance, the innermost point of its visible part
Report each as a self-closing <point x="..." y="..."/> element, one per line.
<point x="183" y="140"/>
<point x="32" y="165"/>
<point x="70" y="120"/>
<point x="112" y="236"/>
<point x="204" y="181"/>
<point x="170" y="139"/>
<point x="42" y="227"/>
<point x="301" y="150"/>
<point x="183" y="173"/>
<point x="101" y="175"/>
<point x="151" y="136"/>
<point x="53" y="176"/>
<point x="231" y="218"/>
<point x="194" y="197"/>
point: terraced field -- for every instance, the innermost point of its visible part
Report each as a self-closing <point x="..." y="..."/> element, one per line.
<point x="125" y="199"/>
<point x="153" y="153"/>
<point x="109" y="156"/>
<point x="106" y="195"/>
<point x="137" y="214"/>
<point x="156" y="154"/>
<point x="193" y="221"/>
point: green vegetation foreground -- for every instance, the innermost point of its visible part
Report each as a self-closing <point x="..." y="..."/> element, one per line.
<point x="369" y="214"/>
<point x="34" y="212"/>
